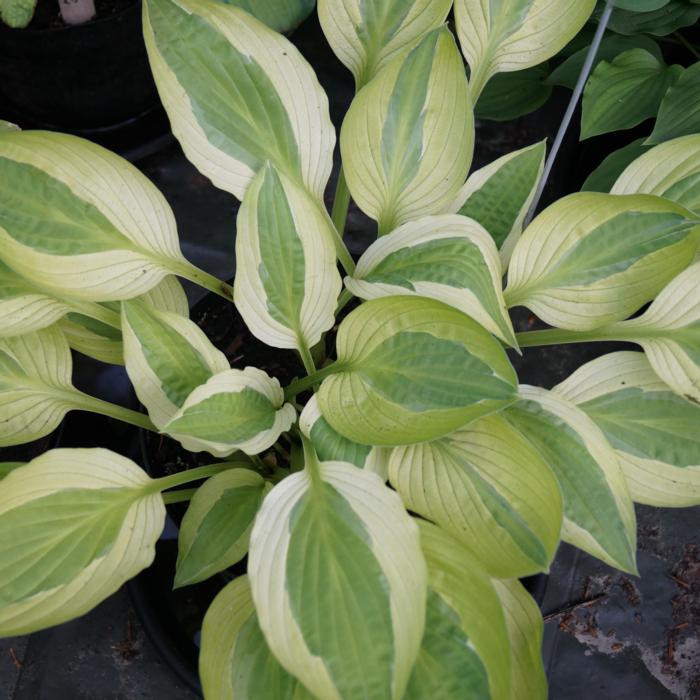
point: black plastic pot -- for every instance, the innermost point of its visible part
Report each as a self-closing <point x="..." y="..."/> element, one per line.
<point x="90" y="79"/>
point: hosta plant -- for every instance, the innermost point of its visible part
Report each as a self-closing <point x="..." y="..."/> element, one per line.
<point x="415" y="478"/>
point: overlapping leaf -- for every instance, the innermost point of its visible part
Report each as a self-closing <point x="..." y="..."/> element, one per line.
<point x="490" y="489"/>
<point x="670" y="170"/>
<point x="598" y="512"/>
<point x="35" y="385"/>
<point x="331" y="446"/>
<point x="591" y="258"/>
<point x="235" y="662"/>
<point x="679" y="114"/>
<point x="167" y="357"/>
<point x="74" y="526"/>
<point x="286" y="283"/>
<point x="335" y="523"/>
<point x="81" y="221"/>
<point x="515" y="34"/>
<point x="466" y="650"/>
<point x="408" y="136"/>
<point x="238" y="94"/>
<point x="449" y="258"/>
<point x="365" y="36"/>
<point x="669" y="332"/>
<point x="215" y="531"/>
<point x="625" y="92"/>
<point x="233" y="410"/>
<point x="653" y="430"/>
<point x="499" y="195"/>
<point x="411" y="369"/>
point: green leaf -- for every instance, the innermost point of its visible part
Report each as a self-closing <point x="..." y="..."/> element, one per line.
<point x="287" y="282"/>
<point x="98" y="231"/>
<point x="233" y="410"/>
<point x="336" y="570"/>
<point x="591" y="258"/>
<point x="331" y="446"/>
<point x="411" y="369"/>
<point x="449" y="258"/>
<point x="407" y="139"/>
<point x="511" y="35"/>
<point x="74" y="526"/>
<point x="670" y="170"/>
<point x="17" y="13"/>
<point x="216" y="528"/>
<point x="653" y="430"/>
<point x="679" y="114"/>
<point x="525" y="632"/>
<point x="235" y="662"/>
<point x="625" y="92"/>
<point x="667" y="19"/>
<point x="167" y="357"/>
<point x="280" y="15"/>
<point x="499" y="195"/>
<point x="238" y="94"/>
<point x="365" y="36"/>
<point x="511" y="95"/>
<point x="604" y="176"/>
<point x="35" y="385"/>
<point x="640" y="5"/>
<point x="566" y="74"/>
<point x="467" y="605"/>
<point x="598" y="512"/>
<point x="487" y="487"/>
<point x="669" y="332"/>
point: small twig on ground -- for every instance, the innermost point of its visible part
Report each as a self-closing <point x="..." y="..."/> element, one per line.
<point x="574" y="606"/>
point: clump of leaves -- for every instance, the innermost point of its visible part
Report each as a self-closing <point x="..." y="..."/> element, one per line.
<point x="354" y="589"/>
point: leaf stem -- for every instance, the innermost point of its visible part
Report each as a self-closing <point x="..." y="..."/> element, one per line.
<point x="341" y="202"/>
<point x="85" y="402"/>
<point x="558" y="336"/>
<point x="189" y="475"/>
<point x="204" y="279"/>
<point x="97" y="312"/>
<point x="299" y="385"/>
<point x="178" y="496"/>
<point x="306" y="358"/>
<point x="346" y="296"/>
<point x="682" y="40"/>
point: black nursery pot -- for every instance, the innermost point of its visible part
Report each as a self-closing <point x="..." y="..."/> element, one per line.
<point x="83" y="79"/>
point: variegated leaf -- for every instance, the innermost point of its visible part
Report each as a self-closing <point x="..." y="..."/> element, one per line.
<point x="449" y="258"/>
<point x="490" y="489"/>
<point x="287" y="282"/>
<point x="334" y="522"/>
<point x="103" y="341"/>
<point x="670" y="170"/>
<point x="508" y="35"/>
<point x="98" y="231"/>
<point x="215" y="531"/>
<point x="74" y="526"/>
<point x="7" y="467"/>
<point x="331" y="446"/>
<point x="167" y="357"/>
<point x="408" y="136"/>
<point x="280" y="15"/>
<point x="598" y="511"/>
<point x="592" y="258"/>
<point x="525" y="632"/>
<point x="653" y="430"/>
<point x="465" y="651"/>
<point x="233" y="410"/>
<point x="237" y="94"/>
<point x="365" y="36"/>
<point x="411" y="369"/>
<point x="35" y="385"/>
<point x="499" y="195"/>
<point x="235" y="662"/>
<point x="669" y="332"/>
